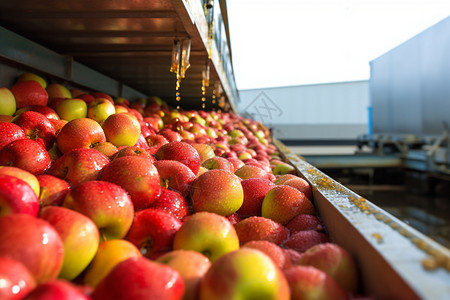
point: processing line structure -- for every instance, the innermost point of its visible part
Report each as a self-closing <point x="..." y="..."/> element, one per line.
<point x="179" y="50"/>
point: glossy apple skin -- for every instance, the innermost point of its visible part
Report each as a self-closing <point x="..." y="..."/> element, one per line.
<point x="47" y="111"/>
<point x="108" y="255"/>
<point x="283" y="203"/>
<point x="105" y="203"/>
<point x="25" y="154"/>
<point x="29" y="93"/>
<point x="300" y="184"/>
<point x="10" y="132"/>
<point x="255" y="189"/>
<point x="80" y="133"/>
<point x="155" y="141"/>
<point x="138" y="176"/>
<point x="79" y="165"/>
<point x="259" y="228"/>
<point x="16" y="196"/>
<point x="16" y="279"/>
<point x="134" y="151"/>
<point x="71" y="109"/>
<point x="335" y="261"/>
<point x="106" y="148"/>
<point x="153" y="231"/>
<point x="310" y="283"/>
<point x="175" y="175"/>
<point x="37" y="127"/>
<point x="217" y="191"/>
<point x="140" y="278"/>
<point x="204" y="150"/>
<point x="79" y="235"/>
<point x="24" y="175"/>
<point x="53" y="190"/>
<point x="34" y="242"/>
<point x="122" y="129"/>
<point x="191" y="265"/>
<point x="249" y="171"/>
<point x="56" y="289"/>
<point x="182" y="152"/>
<point x="274" y="251"/>
<point x="56" y="90"/>
<point x="244" y="274"/>
<point x="7" y="102"/>
<point x="173" y="203"/>
<point x="208" y="233"/>
<point x="218" y="162"/>
<point x="100" y="109"/>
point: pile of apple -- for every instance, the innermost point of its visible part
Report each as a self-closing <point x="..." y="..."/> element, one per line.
<point x="107" y="199"/>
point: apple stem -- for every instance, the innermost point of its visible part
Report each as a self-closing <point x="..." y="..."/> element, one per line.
<point x="102" y="236"/>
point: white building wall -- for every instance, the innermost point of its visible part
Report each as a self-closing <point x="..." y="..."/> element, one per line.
<point x="331" y="111"/>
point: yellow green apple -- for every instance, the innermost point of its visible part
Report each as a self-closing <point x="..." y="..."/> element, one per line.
<point x="70" y="109"/>
<point x="7" y="102"/>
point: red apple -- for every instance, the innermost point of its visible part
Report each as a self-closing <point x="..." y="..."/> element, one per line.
<point x="155" y="141"/>
<point x="53" y="190"/>
<point x="235" y="162"/>
<point x="79" y="165"/>
<point x="37" y="127"/>
<point x="138" y="176"/>
<point x="304" y="222"/>
<point x="16" y="280"/>
<point x="34" y="77"/>
<point x="56" y="289"/>
<point x="207" y="233"/>
<point x="283" y="203"/>
<point x="335" y="261"/>
<point x="249" y="171"/>
<point x="140" y="278"/>
<point x="102" y="95"/>
<point x="182" y="152"/>
<point x="153" y="231"/>
<point x="303" y="240"/>
<point x="25" y="154"/>
<point x="134" y="151"/>
<point x="260" y="228"/>
<point x="255" y="189"/>
<point x="107" y="149"/>
<point x="105" y="203"/>
<point x="122" y="129"/>
<point x="244" y="274"/>
<point x="34" y="242"/>
<point x="217" y="191"/>
<point x="80" y="133"/>
<point x="170" y="135"/>
<point x="16" y="196"/>
<point x="47" y="111"/>
<point x="191" y="265"/>
<point x="79" y="235"/>
<point x="175" y="175"/>
<point x="275" y="252"/>
<point x="308" y="283"/>
<point x="218" y="162"/>
<point x="173" y="203"/>
<point x="10" y="132"/>
<point x="24" y="175"/>
<point x="300" y="184"/>
<point x="29" y="93"/>
<point x="56" y="90"/>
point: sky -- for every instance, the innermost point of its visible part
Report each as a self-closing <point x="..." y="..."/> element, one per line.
<point x="294" y="42"/>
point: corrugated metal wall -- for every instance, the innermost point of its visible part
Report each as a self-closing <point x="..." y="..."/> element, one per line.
<point x="330" y="111"/>
<point x="410" y="85"/>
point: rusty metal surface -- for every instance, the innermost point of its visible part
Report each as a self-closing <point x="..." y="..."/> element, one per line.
<point x="129" y="41"/>
<point x="395" y="260"/>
